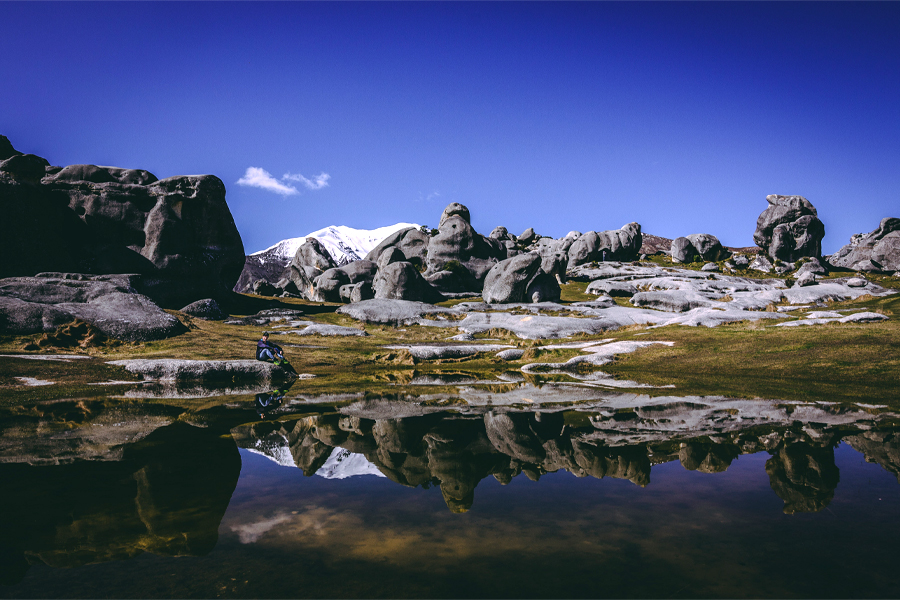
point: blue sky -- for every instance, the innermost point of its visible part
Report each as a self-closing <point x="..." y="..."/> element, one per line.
<point x="557" y="116"/>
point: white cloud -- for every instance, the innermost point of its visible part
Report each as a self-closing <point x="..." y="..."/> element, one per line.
<point x="260" y="178"/>
<point x="316" y="183"/>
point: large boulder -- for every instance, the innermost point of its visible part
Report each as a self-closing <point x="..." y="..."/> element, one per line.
<point x="177" y="232"/>
<point x="108" y="302"/>
<point x="618" y="245"/>
<point x="328" y="284"/>
<point x="412" y="242"/>
<point x="789" y="229"/>
<point x="458" y="244"/>
<point x="877" y="250"/>
<point x="402" y="281"/>
<point x="702" y="245"/>
<point x="507" y="281"/>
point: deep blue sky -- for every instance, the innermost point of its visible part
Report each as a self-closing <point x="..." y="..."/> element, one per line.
<point x="557" y="116"/>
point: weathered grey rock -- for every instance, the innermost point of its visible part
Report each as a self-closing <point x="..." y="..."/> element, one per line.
<point x="877" y="250"/>
<point x="402" y="281"/>
<point x="708" y="246"/>
<point x="511" y="354"/>
<point x="412" y="242"/>
<point x="357" y="292"/>
<point x="671" y="301"/>
<point x="807" y="278"/>
<point x="816" y="266"/>
<point x="622" y="289"/>
<point x="425" y="352"/>
<point x="264" y="288"/>
<point x="543" y="288"/>
<point x="761" y="263"/>
<point x="313" y="253"/>
<point x="108" y="302"/>
<point x="683" y="251"/>
<point x="789" y="228"/>
<point x="329" y="330"/>
<point x="508" y="280"/>
<point x="390" y="255"/>
<point x="178" y="233"/>
<point x="382" y="311"/>
<point x="857" y="282"/>
<point x="533" y="327"/>
<point x="264" y="317"/>
<point x="207" y="309"/>
<point x="710" y="268"/>
<point x="555" y="264"/>
<point x="328" y="285"/>
<point x="616" y="245"/>
<point x="528" y="237"/>
<point x="501" y="233"/>
<point x="458" y="247"/>
<point x="740" y="261"/>
<point x="171" y="369"/>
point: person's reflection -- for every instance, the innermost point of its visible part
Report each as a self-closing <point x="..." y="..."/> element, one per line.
<point x="266" y="402"/>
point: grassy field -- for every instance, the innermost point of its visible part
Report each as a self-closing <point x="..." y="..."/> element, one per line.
<point x="835" y="362"/>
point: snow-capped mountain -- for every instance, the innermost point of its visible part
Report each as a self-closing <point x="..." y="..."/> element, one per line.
<point x="345" y="244"/>
<point x="340" y="465"/>
<point x="343" y="464"/>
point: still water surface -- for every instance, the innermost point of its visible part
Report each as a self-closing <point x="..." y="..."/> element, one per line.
<point x="190" y="511"/>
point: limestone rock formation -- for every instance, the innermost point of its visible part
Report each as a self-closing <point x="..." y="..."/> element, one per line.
<point x="698" y="245"/>
<point x="108" y="302"/>
<point x="207" y="309"/>
<point x="402" y="281"/>
<point x="458" y="257"/>
<point x="619" y="245"/>
<point x="877" y="250"/>
<point x="789" y="229"/>
<point x="507" y="281"/>
<point x="412" y="242"/>
<point x="177" y="232"/>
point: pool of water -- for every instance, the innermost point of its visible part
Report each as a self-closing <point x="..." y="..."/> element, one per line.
<point x="448" y="505"/>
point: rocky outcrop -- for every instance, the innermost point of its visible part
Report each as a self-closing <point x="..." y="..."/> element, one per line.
<point x="412" y="242"/>
<point x="701" y="246"/>
<point x="458" y="257"/>
<point x="171" y="369"/>
<point x="618" y="245"/>
<point x="507" y="281"/>
<point x="789" y="229"/>
<point x="207" y="309"/>
<point x="402" y="281"/>
<point x="875" y="251"/>
<point x="177" y="232"/>
<point x="108" y="302"/>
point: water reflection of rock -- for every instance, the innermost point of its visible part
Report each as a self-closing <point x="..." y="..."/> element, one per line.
<point x="455" y="452"/>
<point x="803" y="475"/>
<point x="164" y="494"/>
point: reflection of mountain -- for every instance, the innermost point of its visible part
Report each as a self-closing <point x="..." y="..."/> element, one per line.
<point x="166" y="494"/>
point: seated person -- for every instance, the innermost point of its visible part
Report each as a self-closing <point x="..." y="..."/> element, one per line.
<point x="267" y="351"/>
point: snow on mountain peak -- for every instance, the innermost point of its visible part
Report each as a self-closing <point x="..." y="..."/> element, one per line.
<point x="345" y="244"/>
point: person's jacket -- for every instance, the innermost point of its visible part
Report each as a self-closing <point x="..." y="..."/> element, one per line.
<point x="263" y="345"/>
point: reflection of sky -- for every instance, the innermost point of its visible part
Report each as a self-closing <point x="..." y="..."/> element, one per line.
<point x="687" y="533"/>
